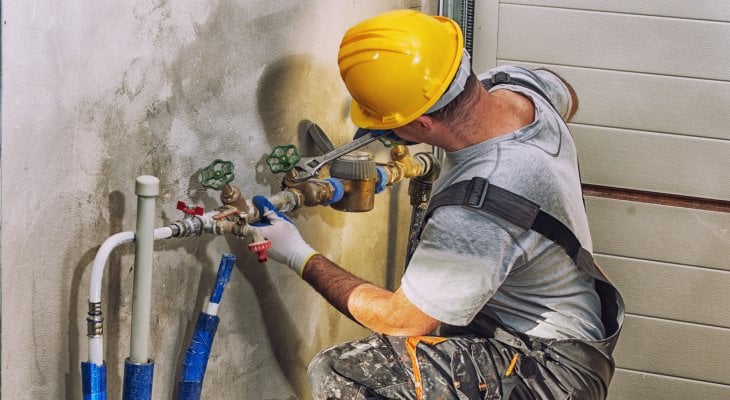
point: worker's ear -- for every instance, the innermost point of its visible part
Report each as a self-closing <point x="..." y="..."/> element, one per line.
<point x="425" y="122"/>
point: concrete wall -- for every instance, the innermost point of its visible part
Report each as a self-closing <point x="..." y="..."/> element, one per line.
<point x="98" y="93"/>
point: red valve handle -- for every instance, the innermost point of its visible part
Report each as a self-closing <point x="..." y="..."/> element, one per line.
<point x="260" y="249"/>
<point x="196" y="210"/>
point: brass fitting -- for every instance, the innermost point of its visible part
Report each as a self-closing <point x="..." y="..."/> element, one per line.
<point x="311" y="192"/>
<point x="285" y="201"/>
<point x="238" y="229"/>
<point x="405" y="166"/>
<point x="359" y="195"/>
<point x="231" y="196"/>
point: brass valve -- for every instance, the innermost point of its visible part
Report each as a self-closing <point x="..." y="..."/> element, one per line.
<point x="405" y="166"/>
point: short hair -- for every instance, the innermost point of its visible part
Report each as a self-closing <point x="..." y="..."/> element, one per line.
<point x="456" y="108"/>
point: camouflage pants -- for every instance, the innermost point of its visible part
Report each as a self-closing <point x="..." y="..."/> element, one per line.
<point x="435" y="368"/>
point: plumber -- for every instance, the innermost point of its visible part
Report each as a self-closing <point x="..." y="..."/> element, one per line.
<point x="501" y="299"/>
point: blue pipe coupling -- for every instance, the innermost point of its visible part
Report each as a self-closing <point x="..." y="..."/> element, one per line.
<point x="137" y="383"/>
<point x="93" y="381"/>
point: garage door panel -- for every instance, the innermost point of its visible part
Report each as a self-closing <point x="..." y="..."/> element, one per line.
<point x="671" y="291"/>
<point x="674" y="348"/>
<point x="660" y="233"/>
<point x="653" y="162"/>
<point x="629" y="385"/>
<point x="707" y="10"/>
<point x="616" y="41"/>
<point x="653" y="103"/>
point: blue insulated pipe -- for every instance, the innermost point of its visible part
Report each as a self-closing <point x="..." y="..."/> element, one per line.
<point x="137" y="384"/>
<point x="196" y="357"/>
<point x="93" y="381"/>
<point x="201" y="342"/>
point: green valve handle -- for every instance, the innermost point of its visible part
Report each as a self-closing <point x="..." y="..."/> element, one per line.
<point x="388" y="142"/>
<point x="283" y="159"/>
<point x="217" y="175"/>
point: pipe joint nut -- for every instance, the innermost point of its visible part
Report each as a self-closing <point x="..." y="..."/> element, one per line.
<point x="94" y="321"/>
<point x="187" y="227"/>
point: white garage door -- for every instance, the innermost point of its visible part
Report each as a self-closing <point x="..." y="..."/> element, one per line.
<point x="653" y="133"/>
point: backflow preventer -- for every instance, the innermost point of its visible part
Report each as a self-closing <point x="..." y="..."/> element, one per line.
<point x="349" y="183"/>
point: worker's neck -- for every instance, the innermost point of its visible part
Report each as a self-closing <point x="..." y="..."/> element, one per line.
<point x="494" y="114"/>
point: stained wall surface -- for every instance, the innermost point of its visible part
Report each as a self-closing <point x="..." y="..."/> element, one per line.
<point x="98" y="93"/>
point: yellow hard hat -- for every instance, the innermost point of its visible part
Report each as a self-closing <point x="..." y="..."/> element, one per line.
<point x="398" y="64"/>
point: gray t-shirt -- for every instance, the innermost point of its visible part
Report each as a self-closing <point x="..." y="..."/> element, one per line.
<point x="470" y="261"/>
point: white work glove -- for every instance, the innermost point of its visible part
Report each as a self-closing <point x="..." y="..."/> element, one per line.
<point x="287" y="245"/>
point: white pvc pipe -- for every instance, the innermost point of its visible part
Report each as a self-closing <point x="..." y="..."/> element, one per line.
<point x="96" y="350"/>
<point x="96" y="343"/>
<point x="97" y="270"/>
<point x="212" y="308"/>
<point x="147" y="189"/>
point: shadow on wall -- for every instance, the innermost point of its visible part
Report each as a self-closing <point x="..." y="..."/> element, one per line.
<point x="291" y="90"/>
<point x="294" y="88"/>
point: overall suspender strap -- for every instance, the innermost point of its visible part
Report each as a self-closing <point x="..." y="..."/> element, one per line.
<point x="479" y="194"/>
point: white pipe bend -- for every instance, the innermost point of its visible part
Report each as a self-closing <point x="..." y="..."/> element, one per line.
<point x="112" y="242"/>
<point x="97" y="270"/>
<point x="96" y="343"/>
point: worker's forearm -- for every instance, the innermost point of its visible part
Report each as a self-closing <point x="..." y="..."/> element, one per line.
<point x="390" y="313"/>
<point x="378" y="309"/>
<point x="332" y="282"/>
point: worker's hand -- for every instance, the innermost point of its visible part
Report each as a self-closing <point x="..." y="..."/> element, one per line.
<point x="287" y="245"/>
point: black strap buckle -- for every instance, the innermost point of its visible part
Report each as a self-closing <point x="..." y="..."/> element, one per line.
<point x="476" y="192"/>
<point x="500" y="77"/>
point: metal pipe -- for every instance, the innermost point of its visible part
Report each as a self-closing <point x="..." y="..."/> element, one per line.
<point x="147" y="189"/>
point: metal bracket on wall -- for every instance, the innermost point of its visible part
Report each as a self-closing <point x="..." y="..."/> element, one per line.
<point x="461" y="11"/>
